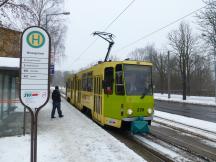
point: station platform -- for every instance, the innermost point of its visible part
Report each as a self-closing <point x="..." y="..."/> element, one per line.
<point x="73" y="138"/>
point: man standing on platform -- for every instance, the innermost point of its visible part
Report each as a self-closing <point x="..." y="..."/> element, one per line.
<point x="56" y="97"/>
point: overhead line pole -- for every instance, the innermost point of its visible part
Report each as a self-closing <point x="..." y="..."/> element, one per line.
<point x="168" y="74"/>
<point x="215" y="69"/>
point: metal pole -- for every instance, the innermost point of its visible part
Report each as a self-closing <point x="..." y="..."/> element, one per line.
<point x="215" y="71"/>
<point x="168" y="75"/>
<point x="33" y="157"/>
<point x="2" y="96"/>
<point x="24" y="121"/>
<point x="35" y="134"/>
<point x="32" y="136"/>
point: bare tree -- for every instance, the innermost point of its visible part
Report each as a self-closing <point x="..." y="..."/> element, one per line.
<point x="202" y="77"/>
<point x="159" y="60"/>
<point x="183" y="43"/>
<point x="139" y="54"/>
<point x="3" y="2"/>
<point x="36" y="12"/>
<point x="30" y="12"/>
<point x="113" y="58"/>
<point x="207" y="22"/>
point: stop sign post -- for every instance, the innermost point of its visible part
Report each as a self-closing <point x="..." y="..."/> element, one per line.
<point x="34" y="76"/>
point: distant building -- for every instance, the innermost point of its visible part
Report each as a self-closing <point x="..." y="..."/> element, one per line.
<point x="9" y="42"/>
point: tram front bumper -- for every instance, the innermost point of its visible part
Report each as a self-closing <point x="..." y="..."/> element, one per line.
<point x="139" y="126"/>
<point x="136" y="118"/>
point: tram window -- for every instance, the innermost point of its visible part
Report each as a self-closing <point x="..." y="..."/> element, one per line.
<point x="89" y="82"/>
<point x="119" y="80"/>
<point x="84" y="82"/>
<point x="108" y="80"/>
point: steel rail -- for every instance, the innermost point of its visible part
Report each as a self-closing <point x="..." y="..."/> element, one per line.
<point x="178" y="150"/>
<point x="153" y="152"/>
<point x="185" y="131"/>
<point x="204" y="130"/>
<point x="198" y="152"/>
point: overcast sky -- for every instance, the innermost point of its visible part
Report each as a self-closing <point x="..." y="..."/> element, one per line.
<point x="140" y="19"/>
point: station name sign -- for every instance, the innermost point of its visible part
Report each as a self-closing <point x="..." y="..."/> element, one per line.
<point x="35" y="67"/>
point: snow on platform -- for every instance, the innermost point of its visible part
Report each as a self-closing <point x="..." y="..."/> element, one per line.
<point x="73" y="138"/>
<point x="202" y="100"/>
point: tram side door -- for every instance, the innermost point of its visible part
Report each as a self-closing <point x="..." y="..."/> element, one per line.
<point x="97" y="98"/>
<point x="74" y="90"/>
<point x="77" y="91"/>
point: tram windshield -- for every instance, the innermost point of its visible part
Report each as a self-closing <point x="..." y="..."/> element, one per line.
<point x="138" y="80"/>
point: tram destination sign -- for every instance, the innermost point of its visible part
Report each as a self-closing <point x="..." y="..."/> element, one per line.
<point x="34" y="67"/>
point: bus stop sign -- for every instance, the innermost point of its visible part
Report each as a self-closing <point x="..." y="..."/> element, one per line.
<point x="34" y="67"/>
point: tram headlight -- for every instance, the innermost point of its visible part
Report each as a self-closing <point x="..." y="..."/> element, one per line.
<point x="129" y="112"/>
<point x="150" y="111"/>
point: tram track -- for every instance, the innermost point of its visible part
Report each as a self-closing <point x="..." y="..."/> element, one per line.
<point x="202" y="153"/>
<point x="168" y="149"/>
<point x="184" y="150"/>
<point x="147" y="152"/>
<point x="193" y="145"/>
<point x="204" y="134"/>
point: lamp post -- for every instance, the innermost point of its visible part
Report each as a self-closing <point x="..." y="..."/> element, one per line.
<point x="215" y="69"/>
<point x="168" y="74"/>
<point x="55" y="14"/>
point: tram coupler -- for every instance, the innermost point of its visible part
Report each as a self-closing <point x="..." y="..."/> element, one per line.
<point x="139" y="126"/>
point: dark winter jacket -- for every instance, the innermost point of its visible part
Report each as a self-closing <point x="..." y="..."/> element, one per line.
<point x="56" y="97"/>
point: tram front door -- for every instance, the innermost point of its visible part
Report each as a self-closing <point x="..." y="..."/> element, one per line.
<point x="97" y="114"/>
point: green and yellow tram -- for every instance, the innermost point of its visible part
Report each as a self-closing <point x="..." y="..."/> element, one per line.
<point x="114" y="92"/>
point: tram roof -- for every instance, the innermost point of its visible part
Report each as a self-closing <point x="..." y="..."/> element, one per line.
<point x="113" y="63"/>
<point x="132" y="62"/>
<point x="135" y="62"/>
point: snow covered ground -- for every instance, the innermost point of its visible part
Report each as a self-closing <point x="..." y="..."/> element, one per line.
<point x="205" y="125"/>
<point x="73" y="138"/>
<point x="76" y="138"/>
<point x="190" y="99"/>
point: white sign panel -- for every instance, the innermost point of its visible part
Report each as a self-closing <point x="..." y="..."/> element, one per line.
<point x="34" y="64"/>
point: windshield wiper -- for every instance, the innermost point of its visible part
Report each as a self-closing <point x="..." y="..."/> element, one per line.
<point x="146" y="90"/>
<point x="144" y="93"/>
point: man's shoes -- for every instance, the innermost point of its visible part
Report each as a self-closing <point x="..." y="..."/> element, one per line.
<point x="53" y="117"/>
<point x="61" y="116"/>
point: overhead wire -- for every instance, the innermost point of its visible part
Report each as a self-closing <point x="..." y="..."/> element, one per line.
<point x="119" y="14"/>
<point x="107" y="27"/>
<point x="148" y="35"/>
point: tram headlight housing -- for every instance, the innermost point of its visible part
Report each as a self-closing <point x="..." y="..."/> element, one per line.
<point x="150" y="111"/>
<point x="129" y="111"/>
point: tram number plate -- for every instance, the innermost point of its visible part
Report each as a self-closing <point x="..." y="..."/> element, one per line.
<point x="140" y="109"/>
